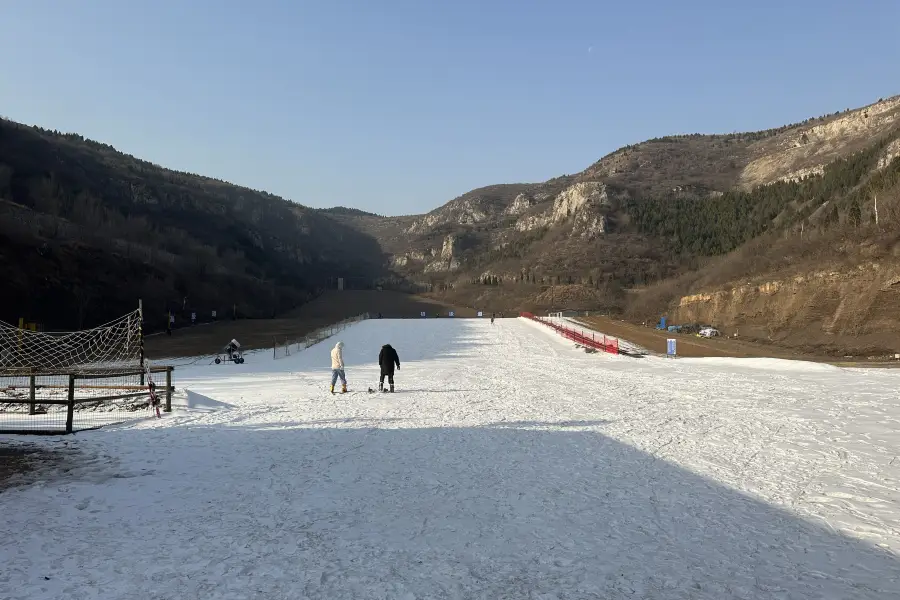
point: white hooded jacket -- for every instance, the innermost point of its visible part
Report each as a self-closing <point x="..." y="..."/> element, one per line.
<point x="337" y="356"/>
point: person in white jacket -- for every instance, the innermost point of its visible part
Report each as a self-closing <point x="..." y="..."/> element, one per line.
<point x="337" y="367"/>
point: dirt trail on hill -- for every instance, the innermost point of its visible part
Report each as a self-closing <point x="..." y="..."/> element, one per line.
<point x="330" y="308"/>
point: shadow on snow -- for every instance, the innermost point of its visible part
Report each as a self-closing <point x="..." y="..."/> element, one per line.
<point x="497" y="510"/>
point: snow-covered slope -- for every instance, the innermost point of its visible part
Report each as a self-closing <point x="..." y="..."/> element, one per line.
<point x="508" y="465"/>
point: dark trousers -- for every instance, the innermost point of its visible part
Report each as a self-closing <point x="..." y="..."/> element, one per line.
<point x="389" y="375"/>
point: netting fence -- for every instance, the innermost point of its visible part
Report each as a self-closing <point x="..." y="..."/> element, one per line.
<point x="284" y="347"/>
<point x="64" y="382"/>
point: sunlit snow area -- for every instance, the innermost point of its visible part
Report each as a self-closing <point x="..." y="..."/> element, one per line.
<point x="509" y="464"/>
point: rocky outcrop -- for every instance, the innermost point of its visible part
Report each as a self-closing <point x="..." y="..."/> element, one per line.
<point x="580" y="202"/>
<point x="405" y="259"/>
<point x="588" y="226"/>
<point x="447" y="248"/>
<point x="458" y="212"/>
<point x="451" y="264"/>
<point x="530" y="222"/>
<point x="577" y="197"/>
<point x="890" y="153"/>
<point x="854" y="309"/>
<point x="809" y="149"/>
<point x="521" y="204"/>
<point x="448" y="260"/>
<point x="803" y="173"/>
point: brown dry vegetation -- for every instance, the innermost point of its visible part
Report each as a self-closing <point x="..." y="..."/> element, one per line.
<point x="823" y="291"/>
<point x="669" y="205"/>
<point x="653" y="340"/>
<point x="92" y="229"/>
<point x="691" y="346"/>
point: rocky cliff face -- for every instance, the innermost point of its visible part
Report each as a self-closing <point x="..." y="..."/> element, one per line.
<point x="807" y="150"/>
<point x="521" y="204"/>
<point x="585" y="206"/>
<point x="837" y="310"/>
<point x="582" y="203"/>
<point x="582" y="226"/>
<point x="464" y="212"/>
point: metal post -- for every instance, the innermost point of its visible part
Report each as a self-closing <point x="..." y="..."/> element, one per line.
<point x="169" y="388"/>
<point x="141" y="336"/>
<point x="31" y="394"/>
<point x="70" y="408"/>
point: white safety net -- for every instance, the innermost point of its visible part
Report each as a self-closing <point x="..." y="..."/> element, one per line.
<point x="113" y="345"/>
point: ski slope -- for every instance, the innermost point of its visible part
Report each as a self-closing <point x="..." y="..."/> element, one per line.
<point x="508" y="465"/>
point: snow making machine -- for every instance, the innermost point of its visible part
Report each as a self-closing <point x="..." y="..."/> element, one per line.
<point x="231" y="352"/>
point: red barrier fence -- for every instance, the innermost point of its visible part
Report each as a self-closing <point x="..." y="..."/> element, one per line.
<point x="589" y="339"/>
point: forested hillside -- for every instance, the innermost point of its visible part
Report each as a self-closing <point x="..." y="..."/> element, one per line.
<point x="646" y="229"/>
<point x="719" y="223"/>
<point x="87" y="231"/>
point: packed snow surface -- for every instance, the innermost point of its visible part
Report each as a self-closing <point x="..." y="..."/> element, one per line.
<point x="509" y="465"/>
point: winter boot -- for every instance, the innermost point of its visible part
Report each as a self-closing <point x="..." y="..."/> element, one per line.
<point x="332" y="389"/>
<point x="392" y="388"/>
<point x="380" y="386"/>
<point x="344" y="388"/>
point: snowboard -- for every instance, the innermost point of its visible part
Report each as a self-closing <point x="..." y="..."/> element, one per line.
<point x="356" y="392"/>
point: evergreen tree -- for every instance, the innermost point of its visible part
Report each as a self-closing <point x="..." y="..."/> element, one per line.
<point x="832" y="217"/>
<point x="855" y="214"/>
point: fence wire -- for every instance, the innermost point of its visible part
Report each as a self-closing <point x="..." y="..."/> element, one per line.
<point x="68" y="402"/>
<point x="284" y="347"/>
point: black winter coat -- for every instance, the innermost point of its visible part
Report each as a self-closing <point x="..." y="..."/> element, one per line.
<point x="387" y="358"/>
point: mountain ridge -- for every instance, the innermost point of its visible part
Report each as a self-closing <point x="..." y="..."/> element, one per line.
<point x="177" y="240"/>
<point x="636" y="232"/>
<point x="648" y="213"/>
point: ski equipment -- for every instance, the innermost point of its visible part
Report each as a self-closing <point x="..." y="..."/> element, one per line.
<point x="154" y="399"/>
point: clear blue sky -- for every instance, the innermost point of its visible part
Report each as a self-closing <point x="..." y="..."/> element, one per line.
<point x="397" y="106"/>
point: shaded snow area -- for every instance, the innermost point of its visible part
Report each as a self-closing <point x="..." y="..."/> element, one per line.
<point x="508" y="465"/>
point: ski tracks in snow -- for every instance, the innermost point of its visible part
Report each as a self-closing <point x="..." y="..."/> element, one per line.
<point x="507" y="465"/>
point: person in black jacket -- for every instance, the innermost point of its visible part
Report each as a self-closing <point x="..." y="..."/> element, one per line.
<point x="387" y="358"/>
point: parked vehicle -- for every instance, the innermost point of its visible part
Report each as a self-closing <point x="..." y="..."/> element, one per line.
<point x="232" y="352"/>
<point x="709" y="332"/>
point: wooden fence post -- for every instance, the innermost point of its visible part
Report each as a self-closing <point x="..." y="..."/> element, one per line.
<point x="169" y="389"/>
<point x="70" y="408"/>
<point x="31" y="394"/>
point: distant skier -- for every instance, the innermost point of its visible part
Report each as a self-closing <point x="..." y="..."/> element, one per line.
<point x="492" y="318"/>
<point x="387" y="358"/>
<point x="337" y="367"/>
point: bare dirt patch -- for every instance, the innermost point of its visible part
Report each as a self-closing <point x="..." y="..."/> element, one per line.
<point x="689" y="345"/>
<point x="17" y="462"/>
